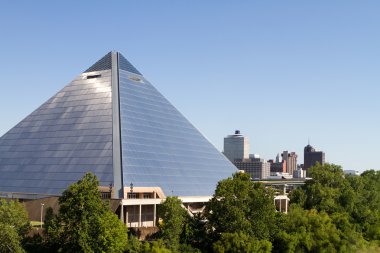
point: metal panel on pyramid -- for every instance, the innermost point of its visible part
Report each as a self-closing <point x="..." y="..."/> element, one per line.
<point x="67" y="136"/>
<point x="111" y="121"/>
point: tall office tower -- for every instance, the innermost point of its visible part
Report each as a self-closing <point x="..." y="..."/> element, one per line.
<point x="311" y="157"/>
<point x="236" y="147"/>
<point x="291" y="161"/>
<point x="278" y="158"/>
<point x="257" y="167"/>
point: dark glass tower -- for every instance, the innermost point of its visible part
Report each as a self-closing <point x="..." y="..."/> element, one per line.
<point x="111" y="121"/>
<point x="311" y="157"/>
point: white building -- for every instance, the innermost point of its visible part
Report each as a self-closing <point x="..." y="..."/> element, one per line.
<point x="352" y="172"/>
<point x="236" y="147"/>
<point x="299" y="173"/>
<point x="258" y="168"/>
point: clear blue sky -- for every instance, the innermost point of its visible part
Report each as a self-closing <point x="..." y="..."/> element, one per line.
<point x="280" y="71"/>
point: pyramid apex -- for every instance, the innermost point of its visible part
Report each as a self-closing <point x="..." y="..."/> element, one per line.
<point x="124" y="64"/>
<point x="105" y="63"/>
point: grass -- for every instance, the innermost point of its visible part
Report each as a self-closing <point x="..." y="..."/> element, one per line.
<point x="36" y="224"/>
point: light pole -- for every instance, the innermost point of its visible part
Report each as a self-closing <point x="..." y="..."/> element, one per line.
<point x="110" y="188"/>
<point x="42" y="210"/>
<point x="131" y="188"/>
<point x="130" y="196"/>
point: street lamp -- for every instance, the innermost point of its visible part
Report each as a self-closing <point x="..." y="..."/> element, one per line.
<point x="42" y="210"/>
<point x="131" y="187"/>
<point x="110" y="188"/>
<point x="130" y="191"/>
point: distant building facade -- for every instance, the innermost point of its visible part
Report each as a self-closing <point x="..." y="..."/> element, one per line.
<point x="291" y="161"/>
<point x="311" y="157"/>
<point x="299" y="173"/>
<point x="236" y="147"/>
<point x="277" y="166"/>
<point x="257" y="167"/>
<point x="352" y="172"/>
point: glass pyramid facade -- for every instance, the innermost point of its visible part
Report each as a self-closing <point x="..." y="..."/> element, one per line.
<point x="109" y="120"/>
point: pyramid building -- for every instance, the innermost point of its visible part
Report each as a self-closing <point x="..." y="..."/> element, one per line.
<point x="111" y="121"/>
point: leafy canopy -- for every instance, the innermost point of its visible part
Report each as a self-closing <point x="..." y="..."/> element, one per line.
<point x="313" y="231"/>
<point x="240" y="243"/>
<point x="173" y="217"/>
<point x="240" y="205"/>
<point x="85" y="223"/>
<point x="14" y="226"/>
<point x="13" y="213"/>
<point x="354" y="197"/>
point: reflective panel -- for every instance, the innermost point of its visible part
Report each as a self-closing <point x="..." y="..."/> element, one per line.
<point x="103" y="64"/>
<point x="124" y="64"/>
<point x="63" y="139"/>
<point x="160" y="147"/>
<point x="73" y="133"/>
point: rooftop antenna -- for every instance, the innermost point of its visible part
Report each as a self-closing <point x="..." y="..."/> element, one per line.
<point x="308" y="141"/>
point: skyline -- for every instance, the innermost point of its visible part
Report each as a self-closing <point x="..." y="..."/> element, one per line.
<point x="280" y="73"/>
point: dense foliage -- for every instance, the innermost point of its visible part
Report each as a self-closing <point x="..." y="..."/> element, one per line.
<point x="240" y="217"/>
<point x="240" y="205"/>
<point x="85" y="223"/>
<point x="173" y="217"/>
<point x="9" y="240"/>
<point x="239" y="242"/>
<point x="332" y="212"/>
<point x="14" y="226"/>
<point x="348" y="205"/>
<point x="355" y="197"/>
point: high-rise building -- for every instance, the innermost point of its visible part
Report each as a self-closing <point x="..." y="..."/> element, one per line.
<point x="236" y="147"/>
<point x="278" y="158"/>
<point x="291" y="161"/>
<point x="311" y="157"/>
<point x="257" y="167"/>
<point x="113" y="122"/>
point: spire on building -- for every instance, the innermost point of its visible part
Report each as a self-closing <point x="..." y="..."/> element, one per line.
<point x="278" y="158"/>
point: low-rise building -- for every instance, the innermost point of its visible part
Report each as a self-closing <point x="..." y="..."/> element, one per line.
<point x="299" y="173"/>
<point x="352" y="172"/>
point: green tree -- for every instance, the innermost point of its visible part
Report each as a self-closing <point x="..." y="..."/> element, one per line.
<point x="85" y="223"/>
<point x="134" y="245"/>
<point x="240" y="205"/>
<point x="195" y="234"/>
<point x="14" y="226"/>
<point x="52" y="232"/>
<point x="366" y="211"/>
<point x="240" y="243"/>
<point x="356" y="197"/>
<point x="173" y="217"/>
<point x="9" y="239"/>
<point x="328" y="190"/>
<point x="158" y="246"/>
<point x="313" y="231"/>
<point x="14" y="214"/>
